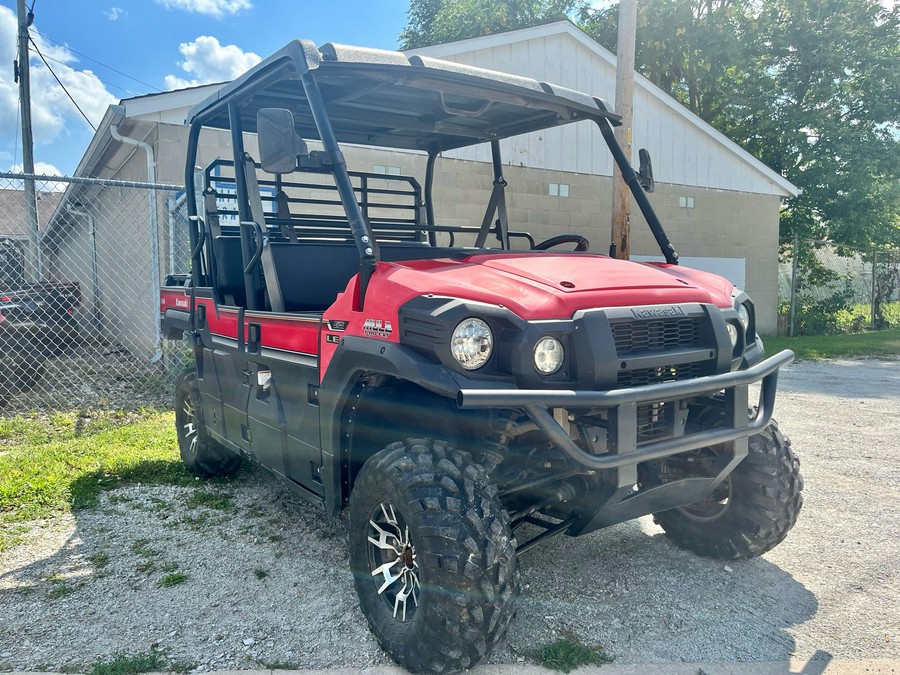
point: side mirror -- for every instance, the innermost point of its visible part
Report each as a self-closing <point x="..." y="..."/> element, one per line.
<point x="279" y="142"/>
<point x="645" y="172"/>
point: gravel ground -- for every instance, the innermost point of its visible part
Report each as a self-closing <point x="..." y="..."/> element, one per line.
<point x="267" y="583"/>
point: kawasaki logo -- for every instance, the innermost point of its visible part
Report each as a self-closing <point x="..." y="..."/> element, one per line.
<point x="657" y="312"/>
<point x="378" y="328"/>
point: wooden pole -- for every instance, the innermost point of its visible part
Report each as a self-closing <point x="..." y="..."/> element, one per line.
<point x="35" y="266"/>
<point x="621" y="226"/>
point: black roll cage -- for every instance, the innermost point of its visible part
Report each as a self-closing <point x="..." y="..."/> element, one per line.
<point x="460" y="106"/>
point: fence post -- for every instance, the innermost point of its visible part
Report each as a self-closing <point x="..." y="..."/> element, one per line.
<point x="793" y="284"/>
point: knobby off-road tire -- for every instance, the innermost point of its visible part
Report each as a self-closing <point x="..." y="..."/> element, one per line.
<point x="202" y="456"/>
<point x="751" y="512"/>
<point x="433" y="512"/>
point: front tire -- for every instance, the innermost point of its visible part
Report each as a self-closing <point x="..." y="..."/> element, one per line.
<point x="202" y="456"/>
<point x="751" y="511"/>
<point x="432" y="556"/>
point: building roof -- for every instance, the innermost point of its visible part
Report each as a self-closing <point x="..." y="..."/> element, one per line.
<point x="641" y="83"/>
<point x="14" y="224"/>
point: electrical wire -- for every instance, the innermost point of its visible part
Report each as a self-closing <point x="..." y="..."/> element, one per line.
<point x="89" y="58"/>
<point x="59" y="82"/>
<point x="106" y="82"/>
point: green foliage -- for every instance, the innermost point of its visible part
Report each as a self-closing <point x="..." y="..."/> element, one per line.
<point x="808" y="86"/>
<point x="568" y="654"/>
<point x="873" y="343"/>
<point x="437" y="21"/>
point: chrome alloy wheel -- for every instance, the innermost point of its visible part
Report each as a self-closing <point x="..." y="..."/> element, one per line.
<point x="190" y="424"/>
<point x="392" y="559"/>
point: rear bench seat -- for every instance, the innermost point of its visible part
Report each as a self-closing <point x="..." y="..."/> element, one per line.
<point x="309" y="275"/>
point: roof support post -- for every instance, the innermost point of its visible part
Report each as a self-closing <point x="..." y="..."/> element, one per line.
<point x="248" y="246"/>
<point x="634" y="184"/>
<point x="362" y="235"/>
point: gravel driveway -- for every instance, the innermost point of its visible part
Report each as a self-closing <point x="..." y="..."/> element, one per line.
<point x="267" y="584"/>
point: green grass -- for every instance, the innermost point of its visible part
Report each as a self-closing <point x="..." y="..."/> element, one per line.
<point x="173" y="579"/>
<point x="568" y="654"/>
<point x="872" y="343"/>
<point x="130" y="664"/>
<point x="210" y="500"/>
<point x="57" y="464"/>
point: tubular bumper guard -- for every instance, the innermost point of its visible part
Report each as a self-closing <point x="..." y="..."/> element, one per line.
<point x="622" y="404"/>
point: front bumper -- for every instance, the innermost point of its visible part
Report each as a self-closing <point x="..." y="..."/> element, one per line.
<point x="622" y="409"/>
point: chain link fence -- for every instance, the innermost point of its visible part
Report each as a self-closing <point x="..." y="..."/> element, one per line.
<point x="825" y="288"/>
<point x="80" y="273"/>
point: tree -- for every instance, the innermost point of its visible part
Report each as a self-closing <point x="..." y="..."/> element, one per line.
<point x="808" y="86"/>
<point x="685" y="47"/>
<point x="437" y="21"/>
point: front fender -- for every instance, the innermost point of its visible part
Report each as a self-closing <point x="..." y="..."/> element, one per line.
<point x="355" y="357"/>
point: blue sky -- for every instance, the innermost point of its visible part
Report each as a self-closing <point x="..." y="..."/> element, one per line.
<point x="162" y="44"/>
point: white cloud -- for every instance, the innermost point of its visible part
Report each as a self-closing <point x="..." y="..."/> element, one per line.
<point x="41" y="169"/>
<point x="115" y="12"/>
<point x="208" y="61"/>
<point x="216" y="8"/>
<point x="52" y="113"/>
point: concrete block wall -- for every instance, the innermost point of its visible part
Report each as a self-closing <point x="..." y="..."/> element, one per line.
<point x="721" y="224"/>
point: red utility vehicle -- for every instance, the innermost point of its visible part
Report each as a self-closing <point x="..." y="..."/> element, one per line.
<point x="464" y="391"/>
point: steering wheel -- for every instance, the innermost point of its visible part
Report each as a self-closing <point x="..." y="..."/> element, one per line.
<point x="581" y="243"/>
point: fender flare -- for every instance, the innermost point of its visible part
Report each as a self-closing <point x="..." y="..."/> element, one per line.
<point x="355" y="357"/>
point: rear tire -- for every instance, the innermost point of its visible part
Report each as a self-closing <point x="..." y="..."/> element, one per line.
<point x="432" y="556"/>
<point x="751" y="512"/>
<point x="202" y="456"/>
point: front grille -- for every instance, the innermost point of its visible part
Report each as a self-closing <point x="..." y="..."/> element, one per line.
<point x="655" y="335"/>
<point x="642" y="376"/>
<point x="653" y="421"/>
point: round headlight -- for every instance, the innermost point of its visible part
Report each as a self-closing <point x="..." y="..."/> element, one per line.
<point x="733" y="334"/>
<point x="744" y="316"/>
<point x="472" y="343"/>
<point x="548" y="355"/>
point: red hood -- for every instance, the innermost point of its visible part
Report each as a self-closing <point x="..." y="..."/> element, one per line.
<point x="548" y="286"/>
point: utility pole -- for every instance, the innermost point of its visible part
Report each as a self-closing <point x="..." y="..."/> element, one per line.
<point x="35" y="267"/>
<point x="621" y="226"/>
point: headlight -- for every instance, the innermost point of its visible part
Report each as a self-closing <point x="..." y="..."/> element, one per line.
<point x="744" y="316"/>
<point x="472" y="343"/>
<point x="733" y="334"/>
<point x="548" y="355"/>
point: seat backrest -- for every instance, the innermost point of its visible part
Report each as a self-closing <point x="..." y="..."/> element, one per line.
<point x="229" y="269"/>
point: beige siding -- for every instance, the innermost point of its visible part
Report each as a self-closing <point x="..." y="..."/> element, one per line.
<point x="683" y="152"/>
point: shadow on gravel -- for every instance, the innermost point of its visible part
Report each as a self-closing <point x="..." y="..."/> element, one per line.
<point x="644" y="600"/>
<point x="266" y="581"/>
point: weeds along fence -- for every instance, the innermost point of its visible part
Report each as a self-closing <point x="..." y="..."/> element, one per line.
<point x="826" y="288"/>
<point x="80" y="273"/>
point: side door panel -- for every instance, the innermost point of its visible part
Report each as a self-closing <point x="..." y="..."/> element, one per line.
<point x="223" y="380"/>
<point x="282" y="414"/>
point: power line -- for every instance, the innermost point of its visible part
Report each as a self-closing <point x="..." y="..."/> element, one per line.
<point x="106" y="82"/>
<point x="89" y="58"/>
<point x="31" y="39"/>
